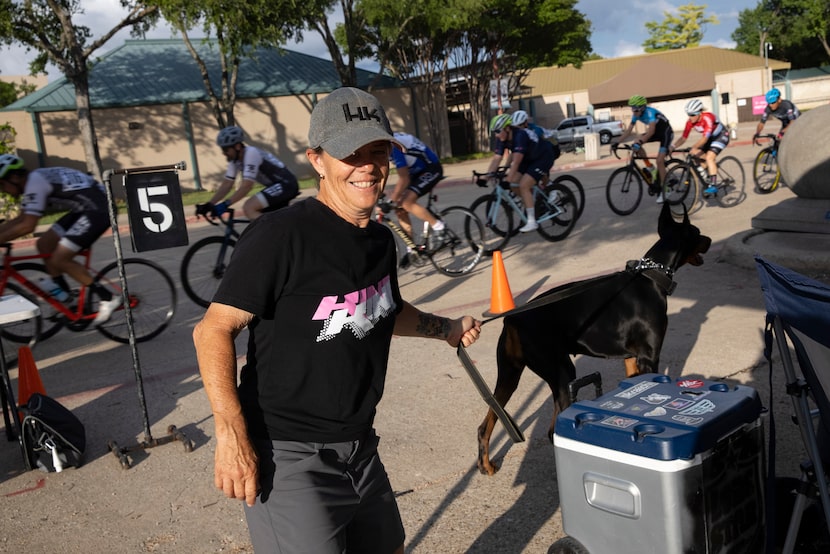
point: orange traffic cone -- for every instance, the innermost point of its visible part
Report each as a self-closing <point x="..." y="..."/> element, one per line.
<point x="501" y="299"/>
<point x="28" y="378"/>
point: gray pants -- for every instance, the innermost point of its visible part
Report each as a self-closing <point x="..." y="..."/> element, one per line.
<point x="324" y="499"/>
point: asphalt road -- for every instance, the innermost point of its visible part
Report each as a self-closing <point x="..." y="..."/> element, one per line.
<point x="428" y="417"/>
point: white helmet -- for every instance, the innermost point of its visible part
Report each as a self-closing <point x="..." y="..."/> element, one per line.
<point x="229" y="136"/>
<point x="519" y="117"/>
<point x="694" y="107"/>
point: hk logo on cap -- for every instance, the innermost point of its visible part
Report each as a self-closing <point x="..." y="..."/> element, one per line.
<point x="362" y="113"/>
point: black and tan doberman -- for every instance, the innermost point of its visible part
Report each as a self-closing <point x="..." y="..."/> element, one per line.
<point x="620" y="315"/>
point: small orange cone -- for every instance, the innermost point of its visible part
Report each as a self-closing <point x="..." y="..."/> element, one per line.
<point x="28" y="378"/>
<point x="501" y="299"/>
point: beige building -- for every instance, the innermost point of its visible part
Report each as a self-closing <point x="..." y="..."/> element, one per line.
<point x="150" y="109"/>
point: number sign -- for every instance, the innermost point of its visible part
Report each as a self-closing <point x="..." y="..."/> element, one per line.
<point x="154" y="203"/>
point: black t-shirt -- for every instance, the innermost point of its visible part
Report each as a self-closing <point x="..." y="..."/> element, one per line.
<point x="325" y="296"/>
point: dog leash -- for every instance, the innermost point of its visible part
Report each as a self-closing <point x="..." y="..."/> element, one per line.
<point x="634" y="268"/>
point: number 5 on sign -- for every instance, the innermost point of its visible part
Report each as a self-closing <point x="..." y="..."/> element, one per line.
<point x="154" y="204"/>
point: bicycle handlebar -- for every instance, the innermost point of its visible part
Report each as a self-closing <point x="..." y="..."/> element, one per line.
<point x="480" y="179"/>
<point x="769" y="136"/>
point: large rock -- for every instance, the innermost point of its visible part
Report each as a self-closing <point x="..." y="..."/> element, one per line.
<point x="804" y="157"/>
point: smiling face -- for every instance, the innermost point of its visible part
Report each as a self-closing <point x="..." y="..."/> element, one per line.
<point x="352" y="186"/>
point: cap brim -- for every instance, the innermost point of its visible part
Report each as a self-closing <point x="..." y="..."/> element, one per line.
<point x="345" y="145"/>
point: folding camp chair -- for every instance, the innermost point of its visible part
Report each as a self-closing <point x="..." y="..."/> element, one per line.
<point x="798" y="309"/>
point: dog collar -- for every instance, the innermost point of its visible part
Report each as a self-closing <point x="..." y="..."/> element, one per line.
<point x="657" y="272"/>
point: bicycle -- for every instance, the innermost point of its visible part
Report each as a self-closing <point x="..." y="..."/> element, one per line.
<point x="624" y="189"/>
<point x="204" y="263"/>
<point x="152" y="299"/>
<point x="684" y="181"/>
<point x="555" y="206"/>
<point x="765" y="170"/>
<point x="459" y="251"/>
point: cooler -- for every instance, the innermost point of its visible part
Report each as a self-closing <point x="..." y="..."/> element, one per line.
<point x="662" y="466"/>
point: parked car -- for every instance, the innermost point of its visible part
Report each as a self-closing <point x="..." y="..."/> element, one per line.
<point x="575" y="128"/>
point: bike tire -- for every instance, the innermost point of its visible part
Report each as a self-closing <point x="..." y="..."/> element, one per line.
<point x="765" y="172"/>
<point x="203" y="267"/>
<point x="624" y="191"/>
<point x="558" y="227"/>
<point x="19" y="333"/>
<point x="152" y="300"/>
<point x="464" y="244"/>
<point x="681" y="190"/>
<point x="576" y="189"/>
<point x="51" y="319"/>
<point x="731" y="182"/>
<point x="497" y="217"/>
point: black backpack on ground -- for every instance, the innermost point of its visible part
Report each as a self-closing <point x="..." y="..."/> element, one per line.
<point x="53" y="438"/>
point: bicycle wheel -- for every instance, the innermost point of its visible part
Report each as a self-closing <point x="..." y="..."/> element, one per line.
<point x="731" y="182"/>
<point x="51" y="319"/>
<point x="463" y="244"/>
<point x="497" y="217"/>
<point x="573" y="184"/>
<point x="152" y="299"/>
<point x="681" y="190"/>
<point x="19" y="333"/>
<point x="203" y="266"/>
<point x="556" y="219"/>
<point x="765" y="172"/>
<point x="624" y="191"/>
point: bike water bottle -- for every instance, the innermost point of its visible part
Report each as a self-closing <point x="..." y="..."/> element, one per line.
<point x="50" y="286"/>
<point x="703" y="173"/>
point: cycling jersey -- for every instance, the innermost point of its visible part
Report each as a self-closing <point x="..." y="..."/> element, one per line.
<point x="258" y="166"/>
<point x="708" y="125"/>
<point x="786" y="112"/>
<point x="416" y="155"/>
<point x="538" y="155"/>
<point x="62" y="188"/>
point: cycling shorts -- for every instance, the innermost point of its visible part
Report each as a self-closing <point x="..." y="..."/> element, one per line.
<point x="426" y="180"/>
<point x="540" y="167"/>
<point x="324" y="498"/>
<point x="664" y="136"/>
<point x="716" y="143"/>
<point x="278" y="195"/>
<point x="78" y="230"/>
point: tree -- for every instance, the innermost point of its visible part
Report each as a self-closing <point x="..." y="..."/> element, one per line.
<point x="508" y="39"/>
<point x="47" y="27"/>
<point x="797" y="29"/>
<point x="348" y="41"/>
<point x="238" y="28"/>
<point x="683" y="30"/>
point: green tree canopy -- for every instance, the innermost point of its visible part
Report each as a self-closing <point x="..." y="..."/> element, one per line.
<point x="682" y="30"/>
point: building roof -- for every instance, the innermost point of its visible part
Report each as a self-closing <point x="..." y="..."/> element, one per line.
<point x="639" y="79"/>
<point x="161" y="71"/>
<point x="569" y="79"/>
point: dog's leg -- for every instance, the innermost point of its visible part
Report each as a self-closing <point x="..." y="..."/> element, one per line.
<point x="631" y="368"/>
<point x="511" y="363"/>
<point x="557" y="371"/>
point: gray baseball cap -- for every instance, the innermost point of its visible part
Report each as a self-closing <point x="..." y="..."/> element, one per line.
<point x="346" y="120"/>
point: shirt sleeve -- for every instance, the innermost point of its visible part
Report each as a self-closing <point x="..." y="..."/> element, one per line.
<point x="35" y="195"/>
<point x="250" y="163"/>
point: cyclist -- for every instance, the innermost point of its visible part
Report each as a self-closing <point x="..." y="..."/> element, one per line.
<point x="86" y="220"/>
<point x="658" y="129"/>
<point x="520" y="119"/>
<point x="256" y="166"/>
<point x="418" y="169"/>
<point x="530" y="160"/>
<point x="715" y="137"/>
<point x="784" y="110"/>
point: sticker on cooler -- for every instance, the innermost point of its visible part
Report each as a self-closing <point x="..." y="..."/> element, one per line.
<point x="701" y="408"/>
<point x="621" y="422"/>
<point x="690" y="383"/>
<point x="637" y="389"/>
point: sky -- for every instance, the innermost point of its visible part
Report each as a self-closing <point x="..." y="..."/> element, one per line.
<point x="617" y="28"/>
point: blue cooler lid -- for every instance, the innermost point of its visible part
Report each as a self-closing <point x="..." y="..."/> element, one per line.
<point x="652" y="416"/>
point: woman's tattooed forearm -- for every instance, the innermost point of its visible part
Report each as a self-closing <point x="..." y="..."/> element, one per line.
<point x="433" y="326"/>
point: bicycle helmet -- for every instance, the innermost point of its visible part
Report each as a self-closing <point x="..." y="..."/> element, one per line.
<point x="229" y="136"/>
<point x="519" y="117"/>
<point x="772" y="96"/>
<point x="8" y="162"/>
<point x="499" y="122"/>
<point x="693" y="107"/>
<point x="637" y="101"/>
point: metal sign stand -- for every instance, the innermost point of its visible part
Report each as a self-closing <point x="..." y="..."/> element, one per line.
<point x="173" y="433"/>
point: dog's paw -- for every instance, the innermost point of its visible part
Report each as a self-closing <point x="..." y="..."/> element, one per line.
<point x="487" y="467"/>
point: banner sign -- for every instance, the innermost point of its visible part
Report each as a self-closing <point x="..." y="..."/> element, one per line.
<point x="154" y="204"/>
